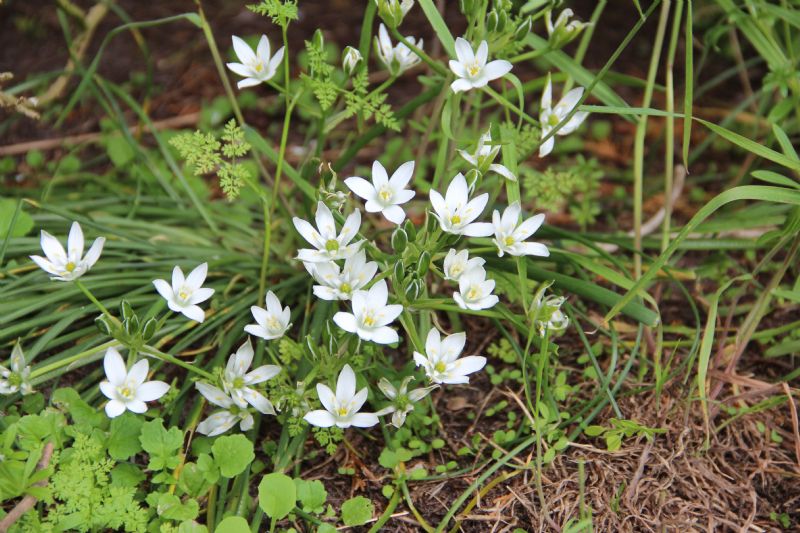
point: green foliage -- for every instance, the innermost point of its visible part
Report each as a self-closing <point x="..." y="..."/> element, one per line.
<point x="204" y="154"/>
<point x="233" y="524"/>
<point x="8" y="211"/>
<point x="369" y="104"/>
<point x="161" y="444"/>
<point x="621" y="428"/>
<point x="357" y="511"/>
<point x="281" y="12"/>
<point x="329" y="438"/>
<point x="277" y="495"/>
<point x="311" y="495"/>
<point x="123" y="440"/>
<point x="232" y="454"/>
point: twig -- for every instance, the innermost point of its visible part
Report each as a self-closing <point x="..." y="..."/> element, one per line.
<point x="28" y="501"/>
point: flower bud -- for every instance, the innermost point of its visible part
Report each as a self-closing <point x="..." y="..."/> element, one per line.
<point x="523" y="29"/>
<point x="399" y="271"/>
<point x="126" y="310"/>
<point x="393" y="11"/>
<point x="468" y="6"/>
<point x="399" y="240"/>
<point x="103" y="325"/>
<point x="131" y="325"/>
<point x="423" y="263"/>
<point x="351" y="57"/>
<point x="413" y="290"/>
<point x="410" y="230"/>
<point x="319" y="40"/>
<point x="491" y="22"/>
<point x="149" y="329"/>
<point x="563" y="30"/>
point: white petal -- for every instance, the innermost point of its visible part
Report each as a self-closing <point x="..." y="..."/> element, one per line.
<point x="350" y="228"/>
<point x="503" y="171"/>
<point x="216" y="424"/>
<point x="478" y="229"/>
<point x="547" y="146"/>
<point x="243" y="51"/>
<point x="325" y="222"/>
<point x="570" y="100"/>
<point x="496" y="69"/>
<point x="197" y="276"/>
<point x="262" y="50"/>
<point x="528" y="227"/>
<point x="469" y="364"/>
<point x="394" y="214"/>
<point x="177" y="278"/>
<point x="385" y="335"/>
<point x="346" y="321"/>
<point x="547" y="95"/>
<point x="164" y="289"/>
<point x="108" y="390"/>
<point x="346" y="385"/>
<point x="461" y="85"/>
<point x="194" y="312"/>
<point x="114" y="408"/>
<point x="272" y="68"/>
<point x="458" y="68"/>
<point x="52" y="249"/>
<point x="320" y="418"/>
<point x="138" y="372"/>
<point x="136" y="406"/>
<point x="152" y="390"/>
<point x="464" y="51"/>
<point x="213" y="394"/>
<point x="75" y="243"/>
<point x="402" y="176"/>
<point x="364" y="420"/>
<point x="247" y="82"/>
<point x="259" y="401"/>
<point x="46" y="265"/>
<point x="482" y="54"/>
<point x="114" y="366"/>
<point x="94" y="252"/>
<point x="361" y="188"/>
<point x="201" y="295"/>
<point x="308" y="232"/>
<point x="241" y="70"/>
<point x="379" y="175"/>
<point x="326" y="397"/>
<point x="262" y="373"/>
<point x="534" y="248"/>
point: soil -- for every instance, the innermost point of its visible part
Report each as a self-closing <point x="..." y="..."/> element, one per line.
<point x="731" y="475"/>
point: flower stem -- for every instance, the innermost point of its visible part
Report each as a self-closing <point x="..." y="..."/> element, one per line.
<point x="44" y="370"/>
<point x="435" y="65"/>
<point x="96" y="302"/>
<point x="504" y="102"/>
<point x="158" y="354"/>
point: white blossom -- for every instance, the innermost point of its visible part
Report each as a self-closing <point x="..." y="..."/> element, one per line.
<point x="339" y="283"/>
<point x="550" y="117"/>
<point x="237" y="381"/>
<point x="475" y="291"/>
<point x="441" y="360"/>
<point x="341" y="408"/>
<point x="272" y="322"/>
<point x="255" y="66"/>
<point x="547" y="314"/>
<point x="70" y="264"/>
<point x="510" y="234"/>
<point x="371" y="315"/>
<point x="186" y="292"/>
<point x="564" y="30"/>
<point x="483" y="158"/>
<point x="351" y="57"/>
<point x="221" y="421"/>
<point x="385" y="195"/>
<point x="456" y="212"/>
<point x="472" y="69"/>
<point x="128" y="389"/>
<point x="402" y="400"/>
<point x="17" y="377"/>
<point x="397" y="58"/>
<point x="457" y="263"/>
<point x="328" y="245"/>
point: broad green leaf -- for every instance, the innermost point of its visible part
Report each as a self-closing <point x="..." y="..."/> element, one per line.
<point x="80" y="411"/>
<point x="123" y="438"/>
<point x="23" y="223"/>
<point x="311" y="494"/>
<point x="171" y="507"/>
<point x="277" y="495"/>
<point x="162" y="445"/>
<point x="232" y="454"/>
<point x="233" y="524"/>
<point x="357" y="511"/>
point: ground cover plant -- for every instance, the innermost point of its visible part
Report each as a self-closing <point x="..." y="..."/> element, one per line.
<point x="486" y="265"/>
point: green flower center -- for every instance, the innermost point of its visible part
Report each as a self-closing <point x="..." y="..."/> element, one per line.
<point x="346" y="288"/>
<point x="385" y="194"/>
<point x="369" y="320"/>
<point x="553" y="120"/>
<point x="508" y="241"/>
<point x="440" y="366"/>
<point x="474" y="69"/>
<point x="14" y="379"/>
<point x="238" y="383"/>
<point x="455" y="219"/>
<point x="342" y="411"/>
<point x="126" y="392"/>
<point x="70" y="266"/>
<point x="332" y="245"/>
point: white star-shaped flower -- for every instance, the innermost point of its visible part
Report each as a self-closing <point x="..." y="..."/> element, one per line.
<point x="371" y="315"/>
<point x="441" y="362"/>
<point x="510" y="234"/>
<point x="70" y="264"/>
<point x="402" y="400"/>
<point x="272" y="322"/>
<point x="221" y="421"/>
<point x="341" y="408"/>
<point x="472" y="69"/>
<point x="256" y="66"/>
<point x="385" y="195"/>
<point x="457" y="263"/>
<point x="475" y="291"/>
<point x="17" y="377"/>
<point x="550" y="117"/>
<point x="329" y="246"/>
<point x="237" y="381"/>
<point x="339" y="284"/>
<point x="456" y="212"/>
<point x="186" y="292"/>
<point x="483" y="158"/>
<point x="397" y="58"/>
<point x="128" y="389"/>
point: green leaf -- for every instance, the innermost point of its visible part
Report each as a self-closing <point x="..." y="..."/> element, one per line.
<point x="311" y="494"/>
<point x="161" y="445"/>
<point x="127" y="475"/>
<point x="277" y="495"/>
<point x="80" y="411"/>
<point x="232" y="454"/>
<point x="123" y="439"/>
<point x="233" y="524"/>
<point x="357" y="511"/>
<point x="439" y="26"/>
<point x="326" y="528"/>
<point x="23" y="223"/>
<point x="594" y="431"/>
<point x="119" y="151"/>
<point x="171" y="508"/>
<point x="775" y="178"/>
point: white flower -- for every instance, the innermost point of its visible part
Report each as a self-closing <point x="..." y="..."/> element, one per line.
<point x="475" y="291"/>
<point x="329" y="246"/>
<point x="393" y="11"/>
<point x="547" y="313"/>
<point x="351" y="57"/>
<point x="441" y="361"/>
<point x="186" y="292"/>
<point x="237" y="381"/>
<point x="339" y="284"/>
<point x="550" y="116"/>
<point x="221" y="421"/>
<point x="370" y="315"/>
<point x="272" y="322"/>
<point x="483" y="158"/>
<point x="398" y="58"/>
<point x="385" y="195"/>
<point x="16" y="378"/>
<point x="71" y="264"/>
<point x="341" y="409"/>
<point x="510" y="235"/>
<point x="457" y="263"/>
<point x="402" y="400"/>
<point x="456" y="212"/>
<point x="564" y="30"/>
<point x="128" y="389"/>
<point x="256" y="67"/>
<point x="472" y="69"/>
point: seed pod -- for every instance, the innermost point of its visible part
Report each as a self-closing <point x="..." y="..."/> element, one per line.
<point x="423" y="263"/>
<point x="399" y="240"/>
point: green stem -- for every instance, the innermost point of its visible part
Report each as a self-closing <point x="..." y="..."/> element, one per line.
<point x="96" y="302"/>
<point x="44" y="370"/>
<point x="149" y="350"/>
<point x="387" y="513"/>
<point x="504" y="102"/>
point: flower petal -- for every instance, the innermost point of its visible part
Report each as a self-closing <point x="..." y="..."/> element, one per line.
<point x="320" y="418"/>
<point x="197" y="276"/>
<point x="496" y="69"/>
<point x="346" y="321"/>
<point x="138" y="372"/>
<point x="114" y="408"/>
<point x="461" y="85"/>
<point x="152" y="390"/>
<point x="464" y="51"/>
<point x="361" y="188"/>
<point x="114" y="366"/>
<point x="75" y="243"/>
<point x="243" y="51"/>
<point x="194" y="312"/>
<point x="346" y="385"/>
<point x="364" y="420"/>
<point x="402" y="176"/>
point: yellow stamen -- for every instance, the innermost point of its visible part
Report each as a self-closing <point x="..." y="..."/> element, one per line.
<point x="440" y="367"/>
<point x="455" y="219"/>
<point x="70" y="266"/>
<point x="509" y="241"/>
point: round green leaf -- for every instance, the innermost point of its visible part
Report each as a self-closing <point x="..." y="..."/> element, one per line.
<point x="232" y="454"/>
<point x="233" y="524"/>
<point x="357" y="511"/>
<point x="276" y="495"/>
